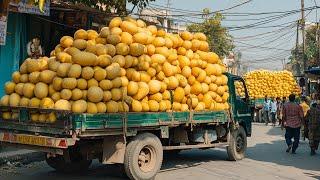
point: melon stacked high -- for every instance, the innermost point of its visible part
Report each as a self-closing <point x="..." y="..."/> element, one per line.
<point x="262" y="83"/>
<point x="126" y="67"/>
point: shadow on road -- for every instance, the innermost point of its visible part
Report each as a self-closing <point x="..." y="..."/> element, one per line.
<point x="274" y="152"/>
<point x="185" y="159"/>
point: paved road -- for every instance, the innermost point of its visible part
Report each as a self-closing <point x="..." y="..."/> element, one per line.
<point x="266" y="159"/>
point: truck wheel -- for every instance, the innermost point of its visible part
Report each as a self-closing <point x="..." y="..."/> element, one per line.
<point x="143" y="157"/>
<point x="76" y="165"/>
<point x="237" y="141"/>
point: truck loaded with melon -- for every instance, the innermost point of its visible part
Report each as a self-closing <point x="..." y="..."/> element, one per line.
<point x="270" y="84"/>
<point x="124" y="96"/>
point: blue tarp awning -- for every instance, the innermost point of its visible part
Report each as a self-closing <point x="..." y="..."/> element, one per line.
<point x="313" y="70"/>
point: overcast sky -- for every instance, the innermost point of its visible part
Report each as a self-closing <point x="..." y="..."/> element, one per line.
<point x="273" y="47"/>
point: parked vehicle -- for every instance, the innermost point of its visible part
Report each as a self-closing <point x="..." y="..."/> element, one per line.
<point x="136" y="140"/>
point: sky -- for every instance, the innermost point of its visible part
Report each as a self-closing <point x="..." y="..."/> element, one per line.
<point x="273" y="48"/>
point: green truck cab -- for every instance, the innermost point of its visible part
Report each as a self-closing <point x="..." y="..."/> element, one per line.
<point x="136" y="140"/>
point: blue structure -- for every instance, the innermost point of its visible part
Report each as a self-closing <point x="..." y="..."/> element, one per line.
<point x="14" y="51"/>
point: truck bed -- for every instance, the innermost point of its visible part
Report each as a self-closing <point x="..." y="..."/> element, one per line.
<point x="105" y="124"/>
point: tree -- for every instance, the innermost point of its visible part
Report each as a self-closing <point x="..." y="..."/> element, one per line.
<point x="220" y="41"/>
<point x="311" y="49"/>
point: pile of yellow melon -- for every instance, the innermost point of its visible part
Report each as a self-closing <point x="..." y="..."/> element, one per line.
<point x="261" y="83"/>
<point x="126" y="67"/>
<point x="240" y="91"/>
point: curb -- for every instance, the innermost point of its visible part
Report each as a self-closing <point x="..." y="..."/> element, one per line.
<point x="25" y="157"/>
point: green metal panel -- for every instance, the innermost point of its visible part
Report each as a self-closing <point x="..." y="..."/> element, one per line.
<point x="136" y="120"/>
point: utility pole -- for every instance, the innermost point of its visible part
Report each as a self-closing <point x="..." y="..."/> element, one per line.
<point x="318" y="45"/>
<point x="295" y="68"/>
<point x="303" y="36"/>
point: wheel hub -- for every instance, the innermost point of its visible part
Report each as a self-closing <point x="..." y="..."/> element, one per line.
<point x="239" y="143"/>
<point x="147" y="159"/>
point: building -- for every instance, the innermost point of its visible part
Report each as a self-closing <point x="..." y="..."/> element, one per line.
<point x="161" y="18"/>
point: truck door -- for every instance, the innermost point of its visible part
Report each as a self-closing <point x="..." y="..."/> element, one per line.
<point x="241" y="98"/>
<point x="241" y="109"/>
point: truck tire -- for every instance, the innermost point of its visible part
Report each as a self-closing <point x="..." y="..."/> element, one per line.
<point x="237" y="141"/>
<point x="76" y="165"/>
<point x="143" y="157"/>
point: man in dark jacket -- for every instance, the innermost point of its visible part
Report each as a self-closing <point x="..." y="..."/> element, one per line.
<point x="313" y="124"/>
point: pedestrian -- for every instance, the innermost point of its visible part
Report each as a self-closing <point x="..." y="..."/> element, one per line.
<point x="304" y="105"/>
<point x="273" y="111"/>
<point x="266" y="108"/>
<point x="279" y="109"/>
<point x="292" y="120"/>
<point x="312" y="125"/>
<point x="305" y="108"/>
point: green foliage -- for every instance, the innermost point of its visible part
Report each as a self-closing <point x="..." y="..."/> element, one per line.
<point x="118" y="5"/>
<point x="218" y="37"/>
<point x="311" y="48"/>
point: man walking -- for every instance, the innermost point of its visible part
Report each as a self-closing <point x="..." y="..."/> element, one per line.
<point x="292" y="120"/>
<point x="266" y="108"/>
<point x="273" y="111"/>
<point x="313" y="125"/>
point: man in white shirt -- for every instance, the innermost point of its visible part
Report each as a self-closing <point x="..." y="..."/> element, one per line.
<point x="273" y="111"/>
<point x="266" y="109"/>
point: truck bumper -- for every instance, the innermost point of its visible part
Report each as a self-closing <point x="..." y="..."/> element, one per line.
<point x="34" y="142"/>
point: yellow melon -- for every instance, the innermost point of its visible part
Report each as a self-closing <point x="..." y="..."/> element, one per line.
<point x="104" y="60"/>
<point x="66" y="41"/>
<point x="47" y="103"/>
<point x="14" y="99"/>
<point x="66" y="94"/>
<point x="179" y="94"/>
<point x="126" y="38"/>
<point x="24" y="78"/>
<point x="76" y="94"/>
<point x="69" y="83"/>
<point x="107" y="96"/>
<point x="112" y="107"/>
<point x="47" y="76"/>
<point x="16" y="77"/>
<point x="79" y="106"/>
<point x="34" y="102"/>
<point x="136" y="106"/>
<point x="62" y="104"/>
<point x="92" y="34"/>
<point x="117" y="94"/>
<point x="142" y="91"/>
<point x="136" y="49"/>
<point x="55" y="96"/>
<point x="113" y="39"/>
<point x="5" y="100"/>
<point x="63" y="69"/>
<point x="95" y="94"/>
<point x="41" y="90"/>
<point x="85" y="58"/>
<point x="101" y="107"/>
<point x="24" y="102"/>
<point x="113" y="71"/>
<point x="87" y="73"/>
<point x="105" y="31"/>
<point x="9" y="87"/>
<point x="81" y="34"/>
<point x="28" y="90"/>
<point x="19" y="88"/>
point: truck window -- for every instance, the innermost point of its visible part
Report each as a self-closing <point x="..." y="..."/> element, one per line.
<point x="240" y="91"/>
